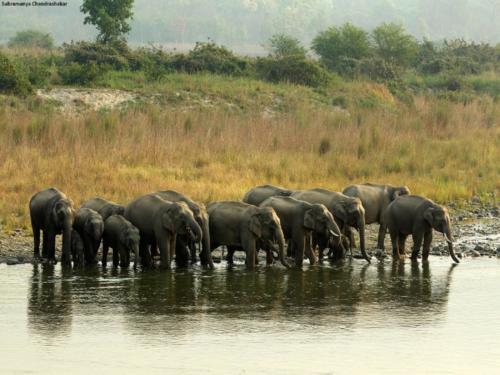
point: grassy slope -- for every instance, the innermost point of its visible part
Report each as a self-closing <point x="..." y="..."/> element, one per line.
<point x="213" y="138"/>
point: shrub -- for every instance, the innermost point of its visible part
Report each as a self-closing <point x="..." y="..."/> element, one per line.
<point x="394" y="44"/>
<point x="114" y="55"/>
<point x="378" y="69"/>
<point x="78" y="74"/>
<point x="35" y="69"/>
<point x="292" y="69"/>
<point x="281" y="45"/>
<point x="11" y="82"/>
<point x="31" y="38"/>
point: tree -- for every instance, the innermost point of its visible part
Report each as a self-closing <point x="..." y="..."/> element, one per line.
<point x="338" y="45"/>
<point x="394" y="44"/>
<point x="110" y="17"/>
<point x="31" y="38"/>
<point x="281" y="45"/>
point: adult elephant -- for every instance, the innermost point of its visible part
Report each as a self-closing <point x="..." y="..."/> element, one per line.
<point x="124" y="238"/>
<point x="299" y="220"/>
<point x="90" y="226"/>
<point x="159" y="222"/>
<point x="347" y="211"/>
<point x="259" y="194"/>
<point x="52" y="213"/>
<point x="201" y="217"/>
<point x="239" y="225"/>
<point x="418" y="216"/>
<point x="375" y="199"/>
<point x="104" y="207"/>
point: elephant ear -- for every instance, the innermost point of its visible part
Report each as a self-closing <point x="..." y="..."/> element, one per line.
<point x="255" y="226"/>
<point x="167" y="222"/>
<point x="429" y="216"/>
<point x="309" y="219"/>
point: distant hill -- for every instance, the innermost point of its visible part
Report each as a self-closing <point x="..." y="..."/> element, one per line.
<point x="252" y="22"/>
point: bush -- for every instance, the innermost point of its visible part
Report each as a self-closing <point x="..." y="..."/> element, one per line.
<point x="378" y="69"/>
<point x="78" y="74"/>
<point x="394" y="44"/>
<point x="210" y="57"/>
<point x="35" y="68"/>
<point x="281" y="45"/>
<point x="114" y="55"/>
<point x="11" y="82"/>
<point x="31" y="38"/>
<point x="292" y="69"/>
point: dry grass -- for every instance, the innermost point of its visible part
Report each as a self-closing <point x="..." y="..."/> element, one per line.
<point x="441" y="150"/>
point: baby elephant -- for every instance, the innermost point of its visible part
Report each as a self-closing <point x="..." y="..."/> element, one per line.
<point x="123" y="237"/>
<point x="418" y="216"/>
<point x="90" y="226"/>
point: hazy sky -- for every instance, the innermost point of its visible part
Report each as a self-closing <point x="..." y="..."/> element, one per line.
<point x="252" y="22"/>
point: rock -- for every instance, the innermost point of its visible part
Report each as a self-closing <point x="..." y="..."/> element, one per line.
<point x="475" y="253"/>
<point x="12" y="261"/>
<point x="460" y="255"/>
<point x="436" y="250"/>
<point x="475" y="199"/>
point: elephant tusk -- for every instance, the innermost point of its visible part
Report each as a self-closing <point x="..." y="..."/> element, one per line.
<point x="447" y="238"/>
<point x="333" y="233"/>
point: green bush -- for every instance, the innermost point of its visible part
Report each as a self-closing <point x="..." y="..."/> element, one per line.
<point x="78" y="74"/>
<point x="378" y="69"/>
<point x="37" y="69"/>
<point x="115" y="55"/>
<point x="281" y="45"/>
<point x="292" y="69"/>
<point x="11" y="81"/>
<point x="31" y="38"/>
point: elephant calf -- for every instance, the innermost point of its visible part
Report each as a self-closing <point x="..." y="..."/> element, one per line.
<point x="298" y="220"/>
<point x="239" y="225"/>
<point x="123" y="237"/>
<point x="418" y="216"/>
<point x="90" y="226"/>
<point x="52" y="213"/>
<point x="375" y="199"/>
<point x="259" y="194"/>
<point x="104" y="207"/>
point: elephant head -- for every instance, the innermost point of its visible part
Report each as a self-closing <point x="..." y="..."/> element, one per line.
<point x="63" y="215"/>
<point x="179" y="219"/>
<point x="439" y="219"/>
<point x="352" y="213"/>
<point x="398" y="191"/>
<point x="130" y="239"/>
<point x="265" y="224"/>
<point x="94" y="226"/>
<point x="321" y="221"/>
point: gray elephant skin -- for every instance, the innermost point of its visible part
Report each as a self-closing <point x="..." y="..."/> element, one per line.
<point x="77" y="249"/>
<point x="90" y="226"/>
<point x="240" y="226"/>
<point x="201" y="216"/>
<point x="124" y="238"/>
<point x="418" y="216"/>
<point x="104" y="207"/>
<point x="375" y="199"/>
<point x="159" y="222"/>
<point x="259" y="194"/>
<point x="347" y="211"/>
<point x="52" y="213"/>
<point x="299" y="220"/>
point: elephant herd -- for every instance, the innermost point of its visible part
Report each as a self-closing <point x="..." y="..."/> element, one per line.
<point x="292" y="223"/>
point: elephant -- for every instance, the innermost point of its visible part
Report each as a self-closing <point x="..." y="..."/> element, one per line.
<point x="77" y="249"/>
<point x="298" y="220"/>
<point x="240" y="226"/>
<point x="104" y="207"/>
<point x="123" y="237"/>
<point x="159" y="222"/>
<point x="90" y="226"/>
<point x="347" y="211"/>
<point x="259" y="194"/>
<point x="201" y="217"/>
<point x="52" y="212"/>
<point x="418" y="216"/>
<point x="375" y="199"/>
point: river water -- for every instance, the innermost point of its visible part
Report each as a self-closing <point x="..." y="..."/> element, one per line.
<point x="344" y="319"/>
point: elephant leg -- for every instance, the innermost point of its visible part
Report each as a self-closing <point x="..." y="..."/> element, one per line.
<point x="144" y="253"/>
<point x="381" y="236"/>
<point x="401" y="245"/>
<point x="269" y="257"/>
<point x="124" y="256"/>
<point x="165" y="252"/>
<point x="230" y="255"/>
<point x="105" y="249"/>
<point x="116" y="255"/>
<point x="250" y="255"/>
<point x="182" y="255"/>
<point x="36" y="238"/>
<point x="290" y="252"/>
<point x="395" y="241"/>
<point x="45" y="245"/>
<point x="192" y="250"/>
<point x="417" y="243"/>
<point x="309" y="251"/>
<point x="51" y="247"/>
<point x="427" y="245"/>
<point x="298" y="244"/>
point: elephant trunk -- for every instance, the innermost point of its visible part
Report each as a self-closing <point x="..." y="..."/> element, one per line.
<point x="361" y="229"/>
<point x="135" y="248"/>
<point x="278" y="235"/>
<point x="449" y="239"/>
<point x="195" y="229"/>
<point x="66" y="243"/>
<point x="206" y="253"/>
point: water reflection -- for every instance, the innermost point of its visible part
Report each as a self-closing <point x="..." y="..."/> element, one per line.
<point x="174" y="303"/>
